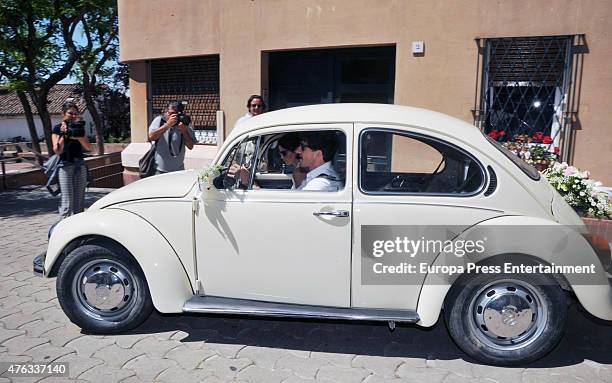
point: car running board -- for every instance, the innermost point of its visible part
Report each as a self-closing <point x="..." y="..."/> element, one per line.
<point x="216" y="305"/>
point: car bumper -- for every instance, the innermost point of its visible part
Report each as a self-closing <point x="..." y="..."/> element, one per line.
<point x="38" y="264"/>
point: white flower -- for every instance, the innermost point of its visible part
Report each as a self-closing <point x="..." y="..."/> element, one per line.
<point x="584" y="175"/>
<point x="570" y="171"/>
<point x="558" y="166"/>
<point x="208" y="174"/>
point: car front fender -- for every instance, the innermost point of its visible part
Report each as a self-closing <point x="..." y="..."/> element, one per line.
<point x="571" y="248"/>
<point x="166" y="277"/>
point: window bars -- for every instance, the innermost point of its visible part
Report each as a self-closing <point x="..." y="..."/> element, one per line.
<point x="528" y="89"/>
<point x="191" y="79"/>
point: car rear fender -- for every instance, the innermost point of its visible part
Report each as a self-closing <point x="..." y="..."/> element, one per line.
<point x="167" y="278"/>
<point x="571" y="248"/>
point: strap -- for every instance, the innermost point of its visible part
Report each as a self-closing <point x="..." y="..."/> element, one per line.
<point x="170" y="150"/>
<point x="161" y="122"/>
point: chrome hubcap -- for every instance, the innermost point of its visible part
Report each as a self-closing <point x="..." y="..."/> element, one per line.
<point x="105" y="288"/>
<point x="508" y="314"/>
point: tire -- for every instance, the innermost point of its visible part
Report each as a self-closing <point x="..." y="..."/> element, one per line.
<point x="506" y="319"/>
<point x="116" y="299"/>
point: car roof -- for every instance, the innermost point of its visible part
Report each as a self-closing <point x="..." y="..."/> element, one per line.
<point x="360" y="113"/>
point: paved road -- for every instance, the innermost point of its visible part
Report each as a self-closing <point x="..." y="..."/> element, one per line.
<point x="186" y="348"/>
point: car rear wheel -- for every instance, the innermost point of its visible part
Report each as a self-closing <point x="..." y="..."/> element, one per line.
<point x="506" y="319"/>
<point x="102" y="290"/>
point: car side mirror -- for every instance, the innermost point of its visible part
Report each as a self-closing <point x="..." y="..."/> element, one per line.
<point x="222" y="181"/>
<point x="211" y="177"/>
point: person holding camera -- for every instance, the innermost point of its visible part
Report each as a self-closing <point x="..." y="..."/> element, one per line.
<point x="69" y="141"/>
<point x="172" y="133"/>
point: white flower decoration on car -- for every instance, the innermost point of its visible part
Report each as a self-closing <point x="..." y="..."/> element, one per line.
<point x="207" y="176"/>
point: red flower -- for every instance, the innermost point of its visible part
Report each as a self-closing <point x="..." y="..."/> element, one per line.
<point x="538" y="136"/>
<point x="557" y="150"/>
<point x="546" y="140"/>
<point x="493" y="134"/>
<point x="502" y="133"/>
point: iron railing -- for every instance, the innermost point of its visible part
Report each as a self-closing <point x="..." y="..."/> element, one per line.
<point x="192" y="79"/>
<point x="528" y="88"/>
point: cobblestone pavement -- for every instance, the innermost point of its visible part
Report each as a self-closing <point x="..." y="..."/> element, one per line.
<point x="186" y="348"/>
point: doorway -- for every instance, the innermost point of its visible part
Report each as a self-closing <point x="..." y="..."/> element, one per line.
<point x="324" y="76"/>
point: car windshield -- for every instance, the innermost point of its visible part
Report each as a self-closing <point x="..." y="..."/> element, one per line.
<point x="524" y="166"/>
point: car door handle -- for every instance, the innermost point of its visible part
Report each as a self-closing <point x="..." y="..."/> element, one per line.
<point x="335" y="213"/>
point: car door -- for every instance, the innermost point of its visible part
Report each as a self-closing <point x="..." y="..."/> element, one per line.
<point x="409" y="183"/>
<point x="272" y="245"/>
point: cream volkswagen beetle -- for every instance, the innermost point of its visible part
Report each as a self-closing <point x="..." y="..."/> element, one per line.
<point x="260" y="246"/>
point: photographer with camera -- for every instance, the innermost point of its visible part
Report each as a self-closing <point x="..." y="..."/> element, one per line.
<point x="69" y="141"/>
<point x="172" y="133"/>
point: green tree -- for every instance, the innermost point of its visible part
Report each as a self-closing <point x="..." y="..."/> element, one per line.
<point x="37" y="48"/>
<point x="100" y="28"/>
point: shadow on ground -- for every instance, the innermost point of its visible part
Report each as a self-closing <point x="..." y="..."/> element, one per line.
<point x="585" y="338"/>
<point x="28" y="201"/>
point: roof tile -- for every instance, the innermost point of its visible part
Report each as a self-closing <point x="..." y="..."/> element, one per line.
<point x="11" y="106"/>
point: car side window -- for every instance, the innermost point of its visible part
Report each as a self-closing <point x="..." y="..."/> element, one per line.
<point x="393" y="162"/>
<point x="279" y="167"/>
<point x="242" y="156"/>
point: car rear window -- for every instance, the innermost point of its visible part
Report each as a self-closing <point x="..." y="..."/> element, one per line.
<point x="398" y="162"/>
<point x="531" y="172"/>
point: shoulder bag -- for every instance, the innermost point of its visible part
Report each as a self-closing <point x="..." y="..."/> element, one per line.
<point x="146" y="165"/>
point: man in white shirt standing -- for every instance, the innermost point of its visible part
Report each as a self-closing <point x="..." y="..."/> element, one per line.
<point x="255" y="106"/>
<point x="316" y="151"/>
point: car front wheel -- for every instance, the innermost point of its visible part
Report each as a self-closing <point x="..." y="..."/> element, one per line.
<point x="102" y="290"/>
<point x="506" y="319"/>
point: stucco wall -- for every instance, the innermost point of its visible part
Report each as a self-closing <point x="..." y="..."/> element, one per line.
<point x="443" y="79"/>
<point x="138" y="101"/>
<point x="13" y="126"/>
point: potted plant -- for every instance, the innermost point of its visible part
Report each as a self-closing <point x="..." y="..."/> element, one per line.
<point x="534" y="149"/>
<point x="539" y="157"/>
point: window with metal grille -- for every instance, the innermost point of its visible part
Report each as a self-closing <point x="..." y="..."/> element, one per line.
<point x="191" y="79"/>
<point x="526" y="89"/>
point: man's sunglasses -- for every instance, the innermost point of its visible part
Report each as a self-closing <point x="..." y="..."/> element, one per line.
<point x="304" y="146"/>
<point x="256" y="106"/>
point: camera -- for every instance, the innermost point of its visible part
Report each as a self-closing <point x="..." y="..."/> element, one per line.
<point x="182" y="117"/>
<point x="75" y="129"/>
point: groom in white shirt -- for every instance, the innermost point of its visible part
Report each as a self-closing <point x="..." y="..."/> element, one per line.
<point x="316" y="151"/>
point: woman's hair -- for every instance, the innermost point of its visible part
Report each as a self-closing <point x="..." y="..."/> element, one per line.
<point x="69" y="105"/>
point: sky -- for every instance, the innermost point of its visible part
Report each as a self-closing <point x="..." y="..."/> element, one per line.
<point x="79" y="38"/>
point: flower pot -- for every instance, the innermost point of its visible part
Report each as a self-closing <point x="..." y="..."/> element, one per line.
<point x="541" y="167"/>
<point x="601" y="227"/>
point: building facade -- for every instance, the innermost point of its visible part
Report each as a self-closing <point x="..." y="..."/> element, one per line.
<point x="521" y="67"/>
<point x="13" y="122"/>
